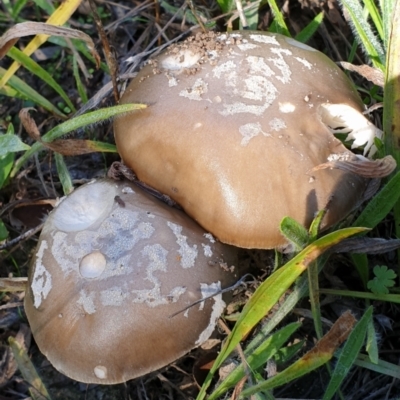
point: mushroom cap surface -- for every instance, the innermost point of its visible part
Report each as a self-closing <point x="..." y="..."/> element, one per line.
<point x="107" y="275"/>
<point x="234" y="126"/>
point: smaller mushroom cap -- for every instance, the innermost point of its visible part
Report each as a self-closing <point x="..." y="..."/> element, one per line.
<point x="235" y="127"/>
<point x="111" y="266"/>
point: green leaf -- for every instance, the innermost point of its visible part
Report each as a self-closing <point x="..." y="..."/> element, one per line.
<point x="381" y="204"/>
<point x="384" y="278"/>
<point x="27" y="92"/>
<point x="257" y="358"/>
<point x="348" y="354"/>
<point x="319" y="355"/>
<point x="364" y="33"/>
<point x="37" y="389"/>
<point x="279" y="20"/>
<point x="225" y="5"/>
<point x="270" y="291"/>
<point x="306" y="33"/>
<point x="3" y="231"/>
<point x="63" y="174"/>
<point x="10" y="143"/>
<point x="294" y="232"/>
<point x="79" y="85"/>
<point x="74" y="124"/>
<point x="372" y="343"/>
<point x="6" y="163"/>
<point x="36" y="69"/>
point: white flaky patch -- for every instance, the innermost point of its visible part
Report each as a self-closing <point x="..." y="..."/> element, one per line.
<point x="113" y="297"/>
<point x="209" y="237"/>
<point x="127" y="190"/>
<point x="41" y="282"/>
<point x="207" y="250"/>
<point x="304" y="62"/>
<point x="277" y="124"/>
<point x="217" y="308"/>
<point x="242" y="108"/>
<point x="280" y="63"/>
<point x="87" y="302"/>
<point x="286" y="107"/>
<point x="247" y="46"/>
<point x="172" y="81"/>
<point x="157" y="256"/>
<point x="188" y="253"/>
<point x="265" y="39"/>
<point x="249" y="131"/>
<point x="223" y="68"/>
<point x="257" y="65"/>
<point x="196" y="91"/>
<point x="183" y="59"/>
<point x="341" y="118"/>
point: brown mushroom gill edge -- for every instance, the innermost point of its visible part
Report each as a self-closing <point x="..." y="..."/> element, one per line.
<point x="107" y="275"/>
<point x="235" y="126"/>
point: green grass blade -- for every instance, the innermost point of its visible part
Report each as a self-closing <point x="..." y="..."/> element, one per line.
<point x="391" y="114"/>
<point x="270" y="291"/>
<point x="364" y="34"/>
<point x="392" y="298"/>
<point x="306" y="33"/>
<point x="387" y="7"/>
<point x="256" y="359"/>
<point x="18" y="6"/>
<point x="73" y="124"/>
<point x="36" y="69"/>
<point x="381" y="204"/>
<point x="226" y="5"/>
<point x="26" y="91"/>
<point x="319" y="355"/>
<point x="348" y="354"/>
<point x="375" y="16"/>
<point x="81" y="47"/>
<point x="372" y="343"/>
<point x="312" y="273"/>
<point x="37" y="389"/>
<point x="63" y="174"/>
<point x="280" y="24"/>
<point x="79" y="85"/>
<point x="383" y="367"/>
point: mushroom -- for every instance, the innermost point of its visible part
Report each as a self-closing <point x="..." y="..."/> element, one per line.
<point x="111" y="267"/>
<point x="235" y="128"/>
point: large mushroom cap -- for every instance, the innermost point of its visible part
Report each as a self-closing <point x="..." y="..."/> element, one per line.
<point x="112" y="265"/>
<point x="234" y="127"/>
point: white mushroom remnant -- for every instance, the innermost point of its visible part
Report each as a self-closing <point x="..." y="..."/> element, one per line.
<point x="238" y="139"/>
<point x="106" y="279"/>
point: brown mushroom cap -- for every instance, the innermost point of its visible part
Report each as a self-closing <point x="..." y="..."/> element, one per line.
<point x="234" y="127"/>
<point x="107" y="275"/>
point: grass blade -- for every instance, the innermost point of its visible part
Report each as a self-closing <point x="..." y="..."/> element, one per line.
<point x="93" y="117"/>
<point x="348" y="354"/>
<point x="28" y="93"/>
<point x="364" y="34"/>
<point x="63" y="174"/>
<point x="36" y="69"/>
<point x="269" y="292"/>
<point x="37" y="389"/>
<point x="318" y="356"/>
<point x="257" y="358"/>
<point x="306" y="33"/>
<point x="59" y="17"/>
